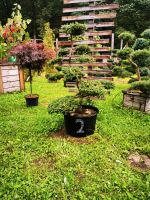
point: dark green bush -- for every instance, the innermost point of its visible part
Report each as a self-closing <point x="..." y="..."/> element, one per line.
<point x="141" y="43"/>
<point x="145" y="71"/>
<point x="74" y="29"/>
<point x="108" y="85"/>
<point x="63" y="52"/>
<point x="59" y="68"/>
<point x="126" y="74"/>
<point x="127" y="36"/>
<point x="85" y="59"/>
<point x="131" y="69"/>
<point x="82" y="49"/>
<point x="91" y="88"/>
<point x="63" y="105"/>
<point x="117" y="71"/>
<point x="141" y="57"/>
<point x="145" y="78"/>
<point x="143" y="86"/>
<point x="124" y="53"/>
<point x="146" y="34"/>
<point x="72" y="74"/>
<point x="54" y="76"/>
<point x="58" y="60"/>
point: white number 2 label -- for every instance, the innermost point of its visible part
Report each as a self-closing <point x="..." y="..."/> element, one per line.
<point x="80" y="131"/>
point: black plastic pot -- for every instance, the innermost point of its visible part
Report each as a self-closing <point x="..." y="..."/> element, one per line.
<point x="32" y="100"/>
<point x="81" y="125"/>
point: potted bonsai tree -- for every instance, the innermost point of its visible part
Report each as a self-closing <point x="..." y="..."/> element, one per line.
<point x="79" y="112"/>
<point x="32" y="56"/>
<point x="72" y="76"/>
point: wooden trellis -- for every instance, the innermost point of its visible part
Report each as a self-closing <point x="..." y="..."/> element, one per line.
<point x="100" y="22"/>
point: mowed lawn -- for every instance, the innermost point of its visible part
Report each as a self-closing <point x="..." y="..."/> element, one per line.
<point x="35" y="164"/>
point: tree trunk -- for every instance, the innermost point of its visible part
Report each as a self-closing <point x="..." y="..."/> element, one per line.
<point x="30" y="74"/>
<point x="137" y="69"/>
<point x="121" y="44"/>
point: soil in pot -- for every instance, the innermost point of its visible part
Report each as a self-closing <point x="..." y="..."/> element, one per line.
<point x="32" y="100"/>
<point x="81" y="123"/>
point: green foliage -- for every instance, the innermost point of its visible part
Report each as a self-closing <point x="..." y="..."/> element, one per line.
<point x="145" y="71"/>
<point x="57" y="60"/>
<point x="141" y="43"/>
<point x="74" y="29"/>
<point x="146" y="34"/>
<point x="143" y="86"/>
<point x="48" y="36"/>
<point x="85" y="59"/>
<point x="63" y="105"/>
<point x="58" y="68"/>
<point x="54" y="76"/>
<point x="117" y="71"/>
<point x="141" y="58"/>
<point x="132" y="80"/>
<point x="133" y="15"/>
<point x="126" y="74"/>
<point x="108" y="85"/>
<point x="124" y="53"/>
<point x="127" y="36"/>
<point x="91" y="88"/>
<point x="63" y="52"/>
<point x="121" y="72"/>
<point x="82" y="49"/>
<point x="72" y="74"/>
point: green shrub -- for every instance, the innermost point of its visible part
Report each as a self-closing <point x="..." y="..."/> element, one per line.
<point x="131" y="69"/>
<point x="143" y="86"/>
<point x="126" y="74"/>
<point x="85" y="59"/>
<point x="124" y="53"/>
<point x="141" y="57"/>
<point x="146" y="34"/>
<point x="74" y="29"/>
<point x="91" y="88"/>
<point x="117" y="71"/>
<point x="145" y="78"/>
<point x="82" y="49"/>
<point x="125" y="62"/>
<point x="63" y="52"/>
<point x="141" y="43"/>
<point x="108" y="85"/>
<point x="63" y="105"/>
<point x="57" y="60"/>
<point x="72" y="74"/>
<point x="54" y="77"/>
<point x="59" y="68"/>
<point x="145" y="71"/>
<point x="127" y="36"/>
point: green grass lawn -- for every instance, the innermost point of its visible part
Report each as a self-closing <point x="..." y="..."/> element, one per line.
<point x="34" y="165"/>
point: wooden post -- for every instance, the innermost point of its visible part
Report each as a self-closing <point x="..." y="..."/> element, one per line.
<point x="21" y="78"/>
<point x="1" y="82"/>
<point x="121" y="44"/>
<point x="112" y="41"/>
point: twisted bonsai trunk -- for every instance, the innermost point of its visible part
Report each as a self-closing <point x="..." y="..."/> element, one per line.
<point x="137" y="69"/>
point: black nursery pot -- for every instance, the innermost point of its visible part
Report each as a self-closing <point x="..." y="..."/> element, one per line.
<point x="32" y="100"/>
<point x="81" y="125"/>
